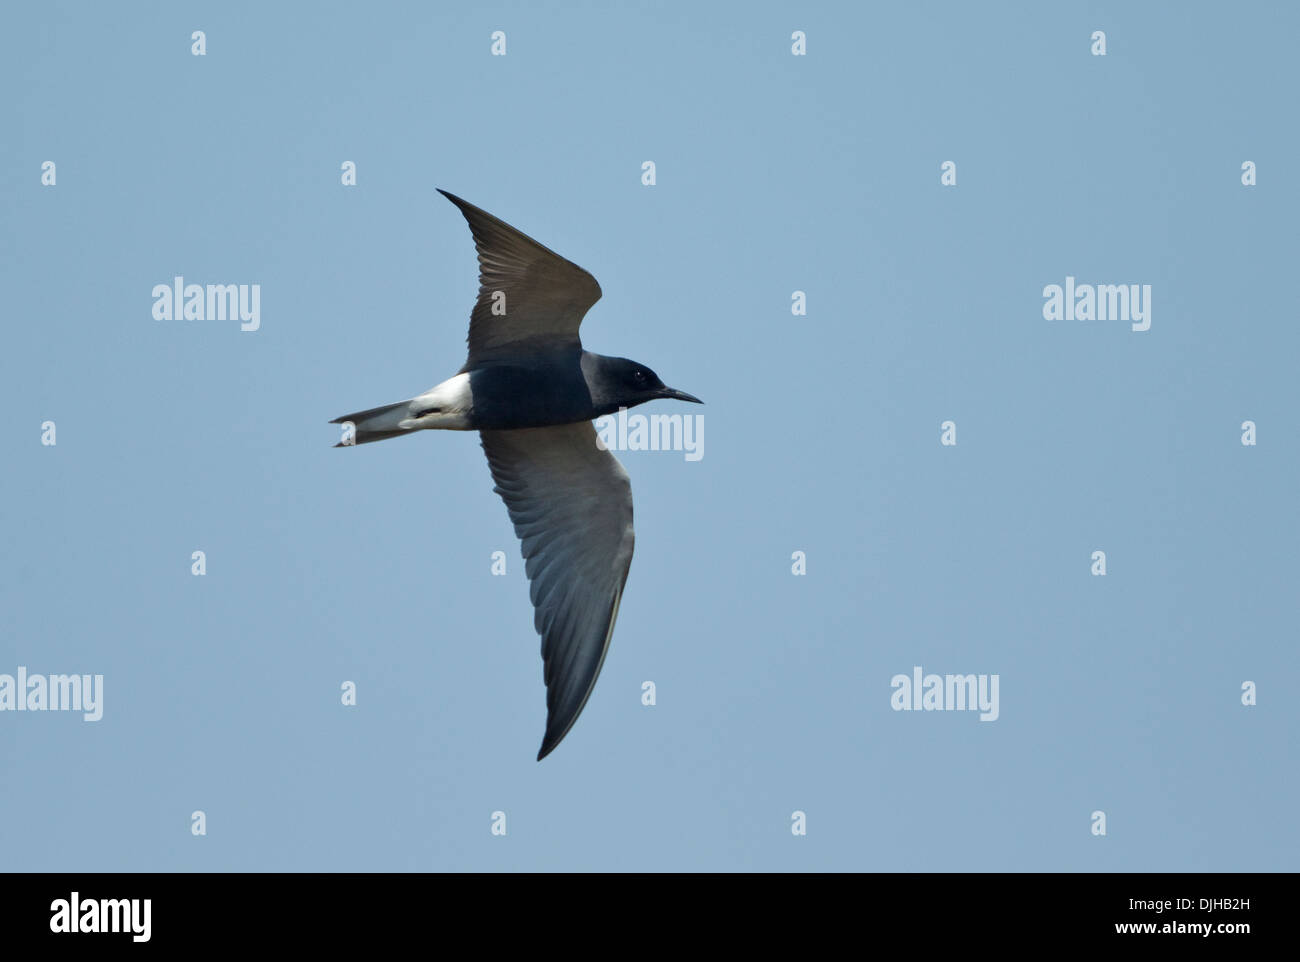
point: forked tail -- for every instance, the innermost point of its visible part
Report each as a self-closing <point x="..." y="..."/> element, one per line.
<point x="376" y="424"/>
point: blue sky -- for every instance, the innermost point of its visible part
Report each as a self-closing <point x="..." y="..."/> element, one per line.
<point x="774" y="173"/>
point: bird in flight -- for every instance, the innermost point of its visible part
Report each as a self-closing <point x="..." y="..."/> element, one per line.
<point x="531" y="392"/>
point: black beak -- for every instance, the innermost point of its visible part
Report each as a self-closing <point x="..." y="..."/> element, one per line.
<point x="676" y="395"/>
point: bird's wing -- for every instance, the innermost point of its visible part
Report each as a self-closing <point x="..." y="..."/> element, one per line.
<point x="526" y="291"/>
<point x="571" y="505"/>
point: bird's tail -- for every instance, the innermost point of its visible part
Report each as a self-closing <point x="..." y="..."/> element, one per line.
<point x="376" y="424"/>
<point x="448" y="406"/>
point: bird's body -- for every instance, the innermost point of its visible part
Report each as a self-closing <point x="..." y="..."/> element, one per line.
<point x="548" y="388"/>
<point x="531" y="391"/>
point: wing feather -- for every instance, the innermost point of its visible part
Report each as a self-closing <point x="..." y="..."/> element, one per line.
<point x="543" y="295"/>
<point x="571" y="505"/>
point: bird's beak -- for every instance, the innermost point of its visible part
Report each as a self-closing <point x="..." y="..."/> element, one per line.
<point x="676" y="395"/>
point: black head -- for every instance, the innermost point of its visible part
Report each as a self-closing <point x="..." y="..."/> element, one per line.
<point x="616" y="382"/>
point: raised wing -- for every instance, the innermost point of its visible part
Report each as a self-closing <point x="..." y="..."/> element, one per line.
<point x="526" y="291"/>
<point x="571" y="505"/>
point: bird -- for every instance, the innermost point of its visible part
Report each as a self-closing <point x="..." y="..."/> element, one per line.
<point x="531" y="392"/>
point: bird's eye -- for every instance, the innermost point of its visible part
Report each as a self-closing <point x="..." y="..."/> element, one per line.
<point x="640" y="376"/>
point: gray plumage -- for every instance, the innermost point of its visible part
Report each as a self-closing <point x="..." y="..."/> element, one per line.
<point x="531" y="391"/>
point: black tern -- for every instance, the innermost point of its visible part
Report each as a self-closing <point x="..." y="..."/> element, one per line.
<point x="531" y="392"/>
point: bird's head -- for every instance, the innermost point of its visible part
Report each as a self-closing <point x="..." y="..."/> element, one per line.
<point x="623" y="384"/>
